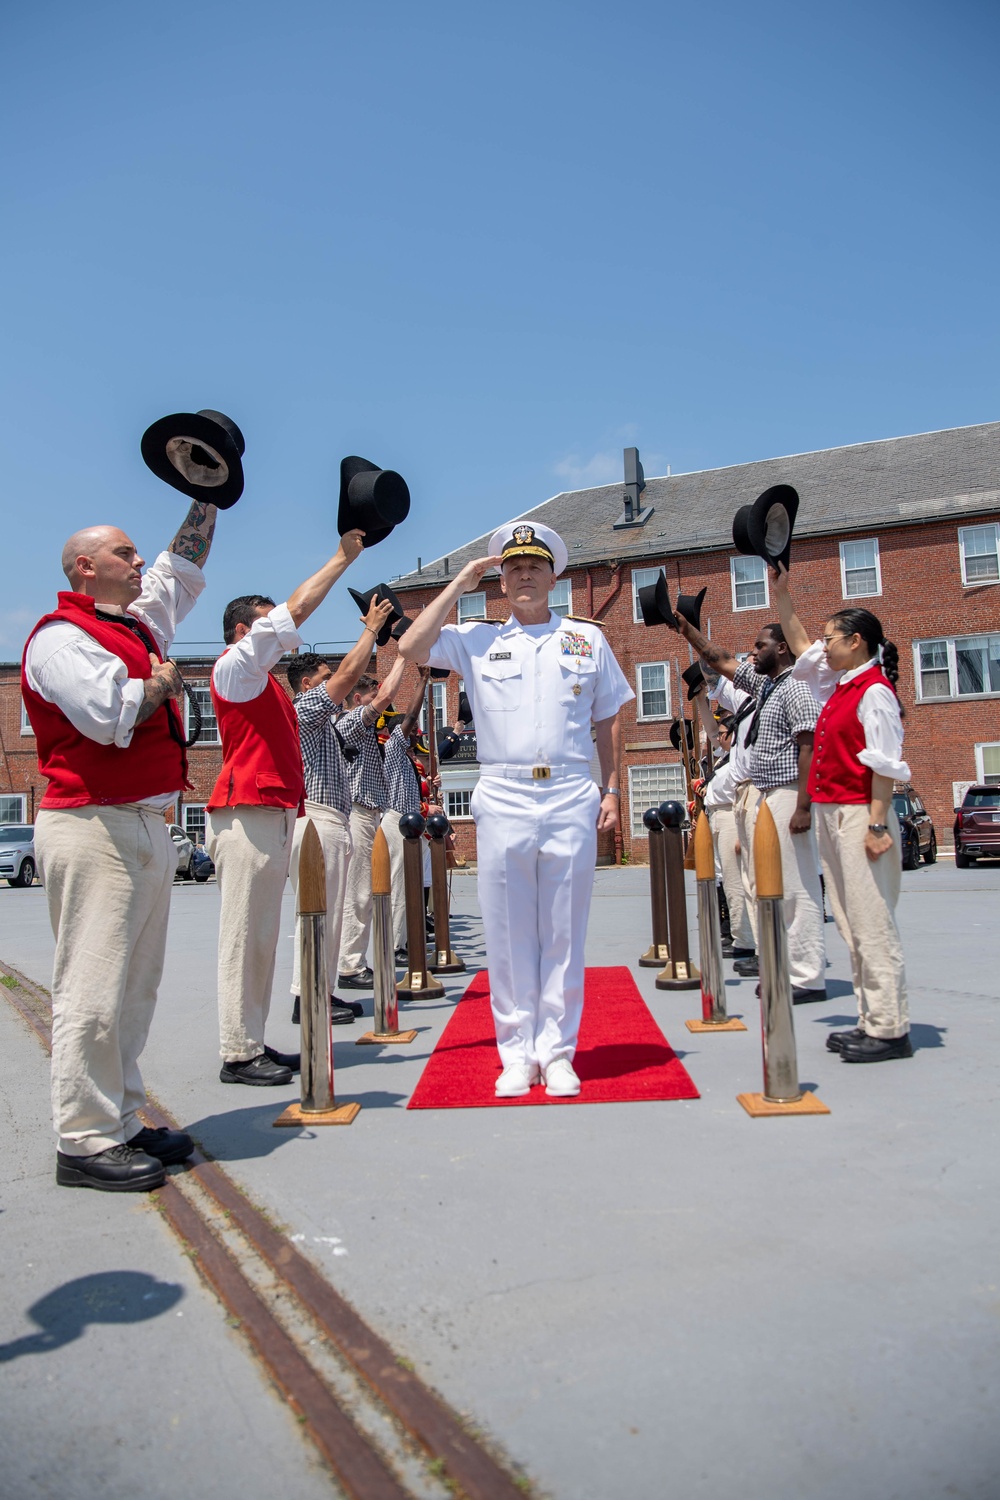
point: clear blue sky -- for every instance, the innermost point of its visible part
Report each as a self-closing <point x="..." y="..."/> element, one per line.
<point x="485" y="245"/>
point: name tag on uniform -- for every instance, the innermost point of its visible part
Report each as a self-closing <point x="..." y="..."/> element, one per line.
<point x="499" y="656"/>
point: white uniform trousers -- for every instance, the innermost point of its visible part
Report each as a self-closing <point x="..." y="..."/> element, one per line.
<point x="722" y="821"/>
<point x="358" y="906"/>
<point x="863" y="895"/>
<point x="745" y="807"/>
<point x="537" y="847"/>
<point x="251" y="847"/>
<point x="334" y="831"/>
<point x="803" y="897"/>
<point x="107" y="874"/>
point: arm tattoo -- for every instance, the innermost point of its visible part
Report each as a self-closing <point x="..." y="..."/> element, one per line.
<point x="714" y="655"/>
<point x="195" y="536"/>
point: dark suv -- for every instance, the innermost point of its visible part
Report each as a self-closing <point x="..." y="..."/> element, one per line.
<point x="915" y="827"/>
<point x="977" y="826"/>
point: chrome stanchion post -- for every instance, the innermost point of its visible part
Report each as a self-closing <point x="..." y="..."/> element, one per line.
<point x="713" y="982"/>
<point x="445" y="961"/>
<point x="658" y="953"/>
<point x="317" y="1105"/>
<point x="678" y="973"/>
<point x="782" y="1094"/>
<point x="417" y="983"/>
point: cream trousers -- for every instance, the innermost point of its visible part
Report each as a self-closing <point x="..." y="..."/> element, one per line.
<point x="863" y="895"/>
<point x="251" y="847"/>
<point x="744" y="817"/>
<point x="722" y="821"/>
<point x="358" y="908"/>
<point x="335" y="840"/>
<point x="107" y="874"/>
<point x="800" y="877"/>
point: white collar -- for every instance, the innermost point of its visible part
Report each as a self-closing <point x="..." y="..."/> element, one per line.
<point x="856" y="671"/>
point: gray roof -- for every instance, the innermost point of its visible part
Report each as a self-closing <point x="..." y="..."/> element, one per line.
<point x="894" y="482"/>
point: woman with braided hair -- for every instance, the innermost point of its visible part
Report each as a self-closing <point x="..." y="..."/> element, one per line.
<point x="858" y="755"/>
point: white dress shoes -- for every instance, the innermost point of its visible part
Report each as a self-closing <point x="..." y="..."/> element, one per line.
<point x="516" y="1081"/>
<point x="561" y="1081"/>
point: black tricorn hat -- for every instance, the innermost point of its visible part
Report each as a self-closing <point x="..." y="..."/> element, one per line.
<point x="199" y="453"/>
<point x="695" y="679"/>
<point x="364" y="602"/>
<point x="654" y="603"/>
<point x="764" y="529"/>
<point x="399" y="630"/>
<point x="675" y="734"/>
<point x="374" y="499"/>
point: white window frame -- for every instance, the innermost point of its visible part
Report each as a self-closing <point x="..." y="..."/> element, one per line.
<point x="25" y="721"/>
<point x="981" y="773"/>
<point x="204" y="739"/>
<point x="868" y="541"/>
<point x="193" y="807"/>
<point x="742" y="560"/>
<point x="639" y="801"/>
<point x="457" y="791"/>
<point x="641" y="578"/>
<point x="20" y="799"/>
<point x="472" y="606"/>
<point x="963" y="532"/>
<point x="644" y="718"/>
<point x="563" y="588"/>
<point x="951" y="644"/>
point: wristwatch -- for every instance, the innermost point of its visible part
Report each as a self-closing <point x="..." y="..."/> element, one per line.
<point x="611" y="791"/>
<point x="878" y="828"/>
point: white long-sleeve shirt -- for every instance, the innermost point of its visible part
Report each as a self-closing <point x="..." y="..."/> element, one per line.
<point x="878" y="711"/>
<point x="91" y="686"/>
<point x="240" y="674"/>
<point x="722" y="787"/>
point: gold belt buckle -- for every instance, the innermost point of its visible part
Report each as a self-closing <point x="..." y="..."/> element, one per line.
<point x="541" y="773"/>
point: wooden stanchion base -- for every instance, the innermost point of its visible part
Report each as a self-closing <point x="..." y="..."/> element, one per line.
<point x="425" y="988"/>
<point x="761" y="1108"/>
<point x="446" y="962"/>
<point x="678" y="976"/>
<point x="341" y="1114"/>
<point x="730" y="1025"/>
<point x="385" y="1038"/>
<point x="655" y="957"/>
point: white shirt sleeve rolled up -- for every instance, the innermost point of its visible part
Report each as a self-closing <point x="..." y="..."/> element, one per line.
<point x="240" y="674"/>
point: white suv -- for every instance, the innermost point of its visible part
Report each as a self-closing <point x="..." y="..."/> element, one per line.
<point x="17" y="853"/>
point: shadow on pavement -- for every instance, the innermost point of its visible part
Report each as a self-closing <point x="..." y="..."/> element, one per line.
<point x="105" y="1297"/>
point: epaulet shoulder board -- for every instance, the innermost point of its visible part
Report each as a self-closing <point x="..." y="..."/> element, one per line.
<point x="585" y="620"/>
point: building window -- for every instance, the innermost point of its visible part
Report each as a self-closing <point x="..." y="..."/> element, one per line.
<point x="960" y="667"/>
<point x="980" y="549"/>
<point x="648" y="786"/>
<point x="988" y="764"/>
<point x="652" y="680"/>
<point x="194" y="821"/>
<point x="471" y="607"/>
<point x="749" y="575"/>
<point x="12" y="808"/>
<point x="25" y="721"/>
<point x="641" y="578"/>
<point x="457" y="805"/>
<point x="561" y="597"/>
<point x="209" y="725"/>
<point x="860" y="571"/>
<point x="439" y="699"/>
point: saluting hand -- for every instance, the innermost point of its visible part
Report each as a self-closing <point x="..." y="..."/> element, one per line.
<point x="473" y="571"/>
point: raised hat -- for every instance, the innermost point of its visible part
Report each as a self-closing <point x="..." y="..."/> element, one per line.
<point x="371" y="498"/>
<point x="464" y="708"/>
<point x="200" y="453"/>
<point x="764" y="529"/>
<point x="689" y="606"/>
<point x="364" y="602"/>
<point x="675" y="734"/>
<point x="695" y="679"/>
<point x="654" y="603"/>
<point x="530" y="539"/>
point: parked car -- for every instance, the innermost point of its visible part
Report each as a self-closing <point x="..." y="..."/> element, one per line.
<point x="203" y="864"/>
<point x="977" y="826"/>
<point x="185" y="853"/>
<point x="916" y="828"/>
<point x="17" y="853"/>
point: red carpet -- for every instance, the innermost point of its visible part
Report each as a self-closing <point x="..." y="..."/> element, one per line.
<point x="622" y="1056"/>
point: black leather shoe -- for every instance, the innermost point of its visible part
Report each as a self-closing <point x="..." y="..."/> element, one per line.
<point x="835" y="1042"/>
<point x="876" y="1049"/>
<point x="747" y="967"/>
<point x="297" y="1011"/>
<point x="117" y="1170"/>
<point x="260" y="1071"/>
<point x="354" y="1006"/>
<point x="168" y="1146"/>
<point x="744" y="953"/>
<point x="402" y="956"/>
<point x="336" y="1006"/>
<point x="290" y="1060"/>
<point x="363" y="981"/>
<point x="801" y="996"/>
<point x="340" y="1014"/>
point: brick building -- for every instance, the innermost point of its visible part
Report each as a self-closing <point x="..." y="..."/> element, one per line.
<point x="907" y="528"/>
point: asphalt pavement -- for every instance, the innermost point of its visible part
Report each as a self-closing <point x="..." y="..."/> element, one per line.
<point x="635" y="1300"/>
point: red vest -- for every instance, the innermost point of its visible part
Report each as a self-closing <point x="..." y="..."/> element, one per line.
<point x="836" y="774"/>
<point x="79" y="770"/>
<point x="261" y="755"/>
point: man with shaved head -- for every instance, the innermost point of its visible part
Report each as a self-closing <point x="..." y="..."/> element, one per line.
<point x="102" y="702"/>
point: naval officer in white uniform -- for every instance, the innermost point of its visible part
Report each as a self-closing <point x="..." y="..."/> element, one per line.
<point x="536" y="684"/>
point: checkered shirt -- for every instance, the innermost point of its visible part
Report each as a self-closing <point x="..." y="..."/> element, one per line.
<point x="400" y="775"/>
<point x="366" y="770"/>
<point x="789" y="709"/>
<point x="327" y="779"/>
